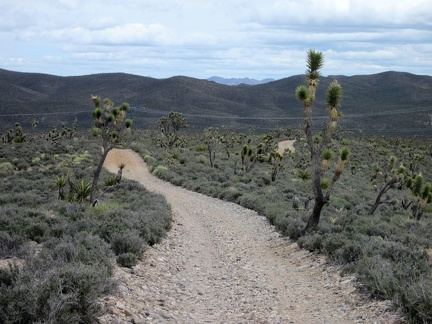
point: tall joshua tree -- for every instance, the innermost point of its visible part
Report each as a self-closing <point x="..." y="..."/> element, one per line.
<point x="111" y="127"/>
<point x="320" y="154"/>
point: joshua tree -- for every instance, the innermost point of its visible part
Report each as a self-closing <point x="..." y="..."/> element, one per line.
<point x="212" y="140"/>
<point x="250" y="156"/>
<point x="228" y="139"/>
<point x="15" y="136"/>
<point x="322" y="188"/>
<point x="111" y="127"/>
<point x="392" y="178"/>
<point x="275" y="159"/>
<point x="170" y="126"/>
<point x="422" y="195"/>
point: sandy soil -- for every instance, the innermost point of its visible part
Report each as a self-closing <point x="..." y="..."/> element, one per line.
<point x="288" y="144"/>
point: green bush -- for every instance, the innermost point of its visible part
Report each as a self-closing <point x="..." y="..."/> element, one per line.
<point x="127" y="242"/>
<point x="6" y="169"/>
<point x="291" y="226"/>
<point x="127" y="260"/>
<point x="159" y="170"/>
<point x="230" y="194"/>
<point x="311" y="242"/>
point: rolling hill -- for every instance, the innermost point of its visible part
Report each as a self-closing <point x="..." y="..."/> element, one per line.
<point x="389" y="102"/>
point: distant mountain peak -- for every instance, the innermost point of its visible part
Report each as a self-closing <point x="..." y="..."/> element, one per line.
<point x="237" y="81"/>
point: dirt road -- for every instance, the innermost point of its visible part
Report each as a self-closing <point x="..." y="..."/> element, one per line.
<point x="222" y="263"/>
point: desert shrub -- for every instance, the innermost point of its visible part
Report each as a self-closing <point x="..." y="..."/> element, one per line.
<point x="55" y="292"/>
<point x="159" y="170"/>
<point x="127" y="260"/>
<point x="36" y="231"/>
<point x="290" y="225"/>
<point x="8" y="275"/>
<point x="9" y="245"/>
<point x="163" y="172"/>
<point x="149" y="159"/>
<point x="376" y="275"/>
<point x="230" y="194"/>
<point x="252" y="201"/>
<point x="127" y="242"/>
<point x="312" y="242"/>
<point x="65" y="280"/>
<point x="6" y="169"/>
<point x="71" y="211"/>
<point x="392" y="271"/>
<point x="416" y="300"/>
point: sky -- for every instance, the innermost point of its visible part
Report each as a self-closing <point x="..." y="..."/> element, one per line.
<point x="203" y="38"/>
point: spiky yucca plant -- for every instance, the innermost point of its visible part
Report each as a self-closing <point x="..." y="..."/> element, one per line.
<point x="82" y="190"/>
<point x="61" y="182"/>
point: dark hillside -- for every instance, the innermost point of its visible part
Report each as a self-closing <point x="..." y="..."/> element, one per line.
<point x="385" y="102"/>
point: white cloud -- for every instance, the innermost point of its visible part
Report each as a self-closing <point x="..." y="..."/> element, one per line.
<point x="357" y="13"/>
<point x="253" y="37"/>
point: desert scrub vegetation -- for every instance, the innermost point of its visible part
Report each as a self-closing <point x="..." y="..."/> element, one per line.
<point x="66" y="250"/>
<point x="389" y="251"/>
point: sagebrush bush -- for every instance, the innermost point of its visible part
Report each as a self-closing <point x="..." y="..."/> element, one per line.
<point x="159" y="170"/>
<point x="10" y="245"/>
<point x="127" y="242"/>
<point x="311" y="242"/>
<point x="127" y="260"/>
<point x="55" y="287"/>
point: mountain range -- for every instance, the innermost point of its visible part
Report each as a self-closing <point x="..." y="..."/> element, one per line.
<point x="388" y="102"/>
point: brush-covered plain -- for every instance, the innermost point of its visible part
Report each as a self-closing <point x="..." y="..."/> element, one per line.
<point x="58" y="252"/>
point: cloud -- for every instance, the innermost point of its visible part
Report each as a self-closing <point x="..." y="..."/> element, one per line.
<point x="353" y="13"/>
<point x="253" y="38"/>
<point x="125" y="34"/>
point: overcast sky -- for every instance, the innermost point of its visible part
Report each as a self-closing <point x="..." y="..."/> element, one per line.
<point x="202" y="38"/>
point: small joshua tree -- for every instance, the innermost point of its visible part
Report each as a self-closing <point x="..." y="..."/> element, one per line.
<point x="120" y="172"/>
<point x="422" y="193"/>
<point x="212" y="141"/>
<point x="111" y="127"/>
<point x="275" y="159"/>
<point x="392" y="178"/>
<point x="170" y="126"/>
<point x="319" y="153"/>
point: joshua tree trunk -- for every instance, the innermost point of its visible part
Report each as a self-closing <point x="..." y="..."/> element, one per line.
<point x="211" y="157"/>
<point x="316" y="213"/>
<point x="96" y="175"/>
<point x="320" y="199"/>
